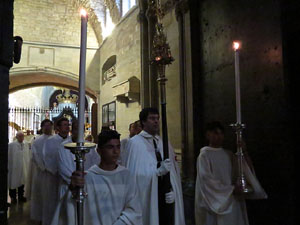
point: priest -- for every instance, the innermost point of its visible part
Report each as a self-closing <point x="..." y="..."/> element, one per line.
<point x="18" y="165"/>
<point x="38" y="171"/>
<point x="141" y="159"/>
<point x="112" y="195"/>
<point x="50" y="158"/>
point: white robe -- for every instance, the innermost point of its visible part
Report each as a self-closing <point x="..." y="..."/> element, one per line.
<point x="51" y="181"/>
<point x="67" y="165"/>
<point x="123" y="154"/>
<point x="141" y="161"/>
<point x="18" y="164"/>
<point x="38" y="178"/>
<point x="215" y="203"/>
<point x="112" y="200"/>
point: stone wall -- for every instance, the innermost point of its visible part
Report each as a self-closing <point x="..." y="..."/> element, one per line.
<point x="51" y="21"/>
<point x="173" y="83"/>
<point x="51" y="33"/>
<point x="124" y="42"/>
<point x="59" y="60"/>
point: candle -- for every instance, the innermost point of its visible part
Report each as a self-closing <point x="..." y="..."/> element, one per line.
<point x="81" y="110"/>
<point x="236" y="47"/>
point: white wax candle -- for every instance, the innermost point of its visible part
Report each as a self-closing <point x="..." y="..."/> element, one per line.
<point x="81" y="110"/>
<point x="236" y="46"/>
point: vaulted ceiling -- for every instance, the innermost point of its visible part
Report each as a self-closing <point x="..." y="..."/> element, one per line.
<point x="97" y="12"/>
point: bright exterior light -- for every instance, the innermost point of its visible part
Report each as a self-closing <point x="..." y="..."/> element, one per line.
<point x="108" y="27"/>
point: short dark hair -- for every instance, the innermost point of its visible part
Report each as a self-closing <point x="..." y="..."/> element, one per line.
<point x="212" y="126"/>
<point x="104" y="128"/>
<point x="46" y="121"/>
<point x="58" y="122"/>
<point x="107" y="135"/>
<point x="145" y="113"/>
<point x="131" y="125"/>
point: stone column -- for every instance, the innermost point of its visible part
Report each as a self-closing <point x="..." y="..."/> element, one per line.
<point x="181" y="10"/>
<point x="6" y="57"/>
<point x="145" y="96"/>
<point x="187" y="109"/>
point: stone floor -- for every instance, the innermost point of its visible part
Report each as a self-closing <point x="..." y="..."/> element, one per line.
<point x="19" y="214"/>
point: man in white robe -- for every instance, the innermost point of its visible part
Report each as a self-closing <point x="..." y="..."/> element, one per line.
<point x="134" y="129"/>
<point x="38" y="171"/>
<point x="112" y="195"/>
<point x="66" y="163"/>
<point x="217" y="200"/>
<point x="29" y="137"/>
<point x="18" y="165"/>
<point x="50" y="158"/>
<point x="125" y="140"/>
<point x="142" y="161"/>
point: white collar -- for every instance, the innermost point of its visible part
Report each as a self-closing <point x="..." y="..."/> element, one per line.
<point x="147" y="135"/>
<point x="213" y="149"/>
<point x="97" y="170"/>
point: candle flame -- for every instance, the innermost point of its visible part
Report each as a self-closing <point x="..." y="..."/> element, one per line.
<point x="83" y="12"/>
<point x="236" y="45"/>
<point x="157" y="58"/>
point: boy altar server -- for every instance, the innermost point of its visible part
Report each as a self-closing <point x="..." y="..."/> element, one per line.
<point x="112" y="196"/>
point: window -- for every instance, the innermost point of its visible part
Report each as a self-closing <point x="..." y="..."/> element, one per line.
<point x="109" y="115"/>
<point x="108" y="25"/>
<point x="126" y="5"/>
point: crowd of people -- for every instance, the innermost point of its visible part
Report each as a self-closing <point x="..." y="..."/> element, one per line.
<point x="124" y="178"/>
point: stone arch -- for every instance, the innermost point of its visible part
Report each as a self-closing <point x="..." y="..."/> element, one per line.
<point x="19" y="81"/>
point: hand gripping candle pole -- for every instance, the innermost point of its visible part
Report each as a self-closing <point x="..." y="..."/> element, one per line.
<point x="161" y="56"/>
<point x="79" y="149"/>
<point x="241" y="183"/>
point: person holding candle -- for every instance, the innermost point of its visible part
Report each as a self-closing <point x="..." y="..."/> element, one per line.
<point x="112" y="194"/>
<point x="215" y="199"/>
<point x="218" y="200"/>
<point x="66" y="161"/>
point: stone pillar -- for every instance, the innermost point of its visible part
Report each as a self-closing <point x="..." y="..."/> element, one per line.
<point x="188" y="127"/>
<point x="145" y="96"/>
<point x="6" y="55"/>
<point x="187" y="147"/>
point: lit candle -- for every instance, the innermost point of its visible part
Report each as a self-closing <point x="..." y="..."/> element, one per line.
<point x="236" y="47"/>
<point x="81" y="110"/>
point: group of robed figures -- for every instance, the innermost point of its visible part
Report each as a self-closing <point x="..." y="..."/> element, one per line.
<point x="126" y="187"/>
